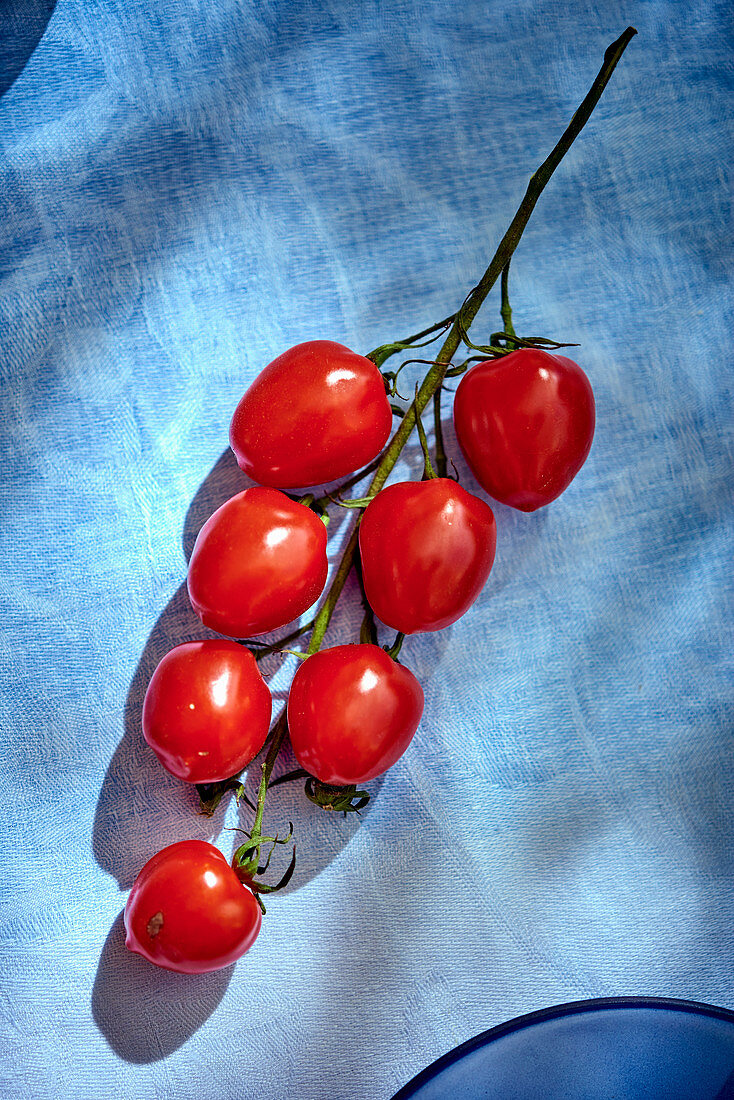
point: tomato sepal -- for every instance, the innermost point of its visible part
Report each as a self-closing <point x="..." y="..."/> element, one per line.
<point x="211" y="794"/>
<point x="341" y="799"/>
<point x="246" y="864"/>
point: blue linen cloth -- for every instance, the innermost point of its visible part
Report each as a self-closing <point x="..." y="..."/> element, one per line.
<point x="186" y="189"/>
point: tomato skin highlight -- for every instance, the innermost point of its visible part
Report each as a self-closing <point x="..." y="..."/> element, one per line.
<point x="187" y="910"/>
<point x="427" y="550"/>
<point x="352" y="712"/>
<point x="525" y="423"/>
<point x="316" y="413"/>
<point x="257" y="563"/>
<point x="207" y="710"/>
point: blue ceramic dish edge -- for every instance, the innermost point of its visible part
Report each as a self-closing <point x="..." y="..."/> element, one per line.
<point x="549" y="1013"/>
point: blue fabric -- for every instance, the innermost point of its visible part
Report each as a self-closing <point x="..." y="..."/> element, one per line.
<point x="188" y="188"/>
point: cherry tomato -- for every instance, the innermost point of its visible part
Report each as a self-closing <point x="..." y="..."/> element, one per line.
<point x="316" y="413"/>
<point x="207" y="710"/>
<point x="352" y="712"/>
<point x="525" y="424"/>
<point x="188" y="911"/>
<point x="257" y="563"/>
<point x="427" y="549"/>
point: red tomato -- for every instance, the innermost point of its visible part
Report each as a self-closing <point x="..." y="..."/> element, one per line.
<point x="525" y="424"/>
<point x="257" y="563"/>
<point x="427" y="549"/>
<point x="207" y="710"/>
<point x="316" y="413"/>
<point x="352" y="712"/>
<point x="188" y="911"/>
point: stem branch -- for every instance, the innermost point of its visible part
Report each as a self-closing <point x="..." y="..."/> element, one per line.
<point x="505" y="309"/>
<point x="278" y="737"/>
<point x="441" y="462"/>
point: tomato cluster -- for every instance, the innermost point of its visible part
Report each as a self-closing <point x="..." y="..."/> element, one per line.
<point x="317" y="413"/>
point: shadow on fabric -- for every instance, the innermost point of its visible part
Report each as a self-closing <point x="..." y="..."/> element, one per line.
<point x="144" y="1012"/>
<point x="22" y="26"/>
<point x="142" y="808"/>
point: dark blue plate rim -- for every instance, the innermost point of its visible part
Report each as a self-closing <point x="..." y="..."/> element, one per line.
<point x="571" y="1008"/>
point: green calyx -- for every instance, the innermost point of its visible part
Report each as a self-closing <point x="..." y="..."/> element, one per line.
<point x="342" y="799"/>
<point x="246" y="863"/>
<point x="211" y="794"/>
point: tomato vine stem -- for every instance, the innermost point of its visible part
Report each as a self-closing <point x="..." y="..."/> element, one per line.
<point x="431" y="385"/>
<point x="438" y="446"/>
<point x="428" y="471"/>
<point x="505" y="308"/>
<point x="394" y="649"/>
<point x="279" y="731"/>
<point x="266" y="649"/>
<point x="466" y="314"/>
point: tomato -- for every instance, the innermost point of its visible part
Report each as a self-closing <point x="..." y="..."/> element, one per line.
<point x="352" y="712"/>
<point x="257" y="563"/>
<point x="188" y="911"/>
<point x="207" y="710"/>
<point x="427" y="549"/>
<point x="525" y="424"/>
<point x="316" y="413"/>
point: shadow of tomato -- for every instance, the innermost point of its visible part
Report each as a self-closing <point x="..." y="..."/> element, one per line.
<point x="142" y="808"/>
<point x="144" y="1012"/>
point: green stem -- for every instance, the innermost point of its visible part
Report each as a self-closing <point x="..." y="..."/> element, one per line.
<point x="505" y="309"/>
<point x="368" y="628"/>
<point x="441" y="462"/>
<point x="326" y="610"/>
<point x="433" y="328"/>
<point x="280" y="729"/>
<point x="265" y="650"/>
<point x="381" y="355"/>
<point x="428" y="471"/>
<point x="397" y="645"/>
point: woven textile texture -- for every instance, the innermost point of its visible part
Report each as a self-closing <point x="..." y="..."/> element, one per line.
<point x="189" y="188"/>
